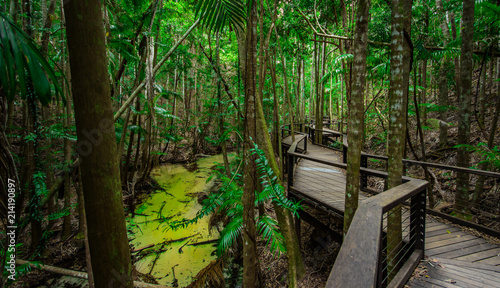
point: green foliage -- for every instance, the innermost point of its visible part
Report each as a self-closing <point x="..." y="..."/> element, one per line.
<point x="431" y="107"/>
<point x="57" y="131"/>
<point x="489" y="156"/>
<point x="217" y="14"/>
<point x="21" y="63"/>
<point x="490" y="14"/>
<point x="271" y="188"/>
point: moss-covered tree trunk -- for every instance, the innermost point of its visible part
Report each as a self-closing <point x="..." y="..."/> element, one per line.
<point x="398" y="93"/>
<point x="356" y="112"/>
<point x="97" y="145"/>
<point x="461" y="207"/>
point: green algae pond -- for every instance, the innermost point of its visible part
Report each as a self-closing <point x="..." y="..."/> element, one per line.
<point x="174" y="257"/>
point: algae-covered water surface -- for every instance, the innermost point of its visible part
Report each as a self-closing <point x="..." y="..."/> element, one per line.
<point x="172" y="256"/>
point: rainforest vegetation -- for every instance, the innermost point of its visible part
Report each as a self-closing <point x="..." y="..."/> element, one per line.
<point x="99" y="99"/>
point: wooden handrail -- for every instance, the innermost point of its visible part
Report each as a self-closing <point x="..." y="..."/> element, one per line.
<point x="415" y="162"/>
<point x="359" y="258"/>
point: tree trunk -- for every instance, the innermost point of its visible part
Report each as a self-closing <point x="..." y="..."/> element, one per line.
<point x="318" y="123"/>
<point x="461" y="207"/>
<point x="398" y="91"/>
<point x="250" y="261"/>
<point x="356" y="112"/>
<point x="443" y="81"/>
<point x="107" y="233"/>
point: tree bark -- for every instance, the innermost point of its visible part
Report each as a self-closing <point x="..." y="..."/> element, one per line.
<point x="97" y="145"/>
<point x="250" y="261"/>
<point x="461" y="207"/>
<point x="398" y="92"/>
<point x="356" y="112"/>
<point x="443" y="81"/>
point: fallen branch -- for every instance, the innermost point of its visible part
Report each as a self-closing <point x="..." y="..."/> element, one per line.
<point x="78" y="274"/>
<point x="204" y="242"/>
<point x="142" y="248"/>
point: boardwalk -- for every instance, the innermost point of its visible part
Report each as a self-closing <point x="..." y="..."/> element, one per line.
<point x="454" y="258"/>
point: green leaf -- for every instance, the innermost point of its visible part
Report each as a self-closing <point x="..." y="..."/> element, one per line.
<point x="217" y="14"/>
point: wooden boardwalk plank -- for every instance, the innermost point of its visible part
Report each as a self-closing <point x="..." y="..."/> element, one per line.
<point x="444" y="236"/>
<point x="467" y="251"/>
<point x="432" y="252"/>
<point x="447" y="242"/>
<point x="480" y="255"/>
<point x="495" y="261"/>
<point x="429" y="234"/>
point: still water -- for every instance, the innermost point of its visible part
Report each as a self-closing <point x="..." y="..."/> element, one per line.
<point x="181" y="260"/>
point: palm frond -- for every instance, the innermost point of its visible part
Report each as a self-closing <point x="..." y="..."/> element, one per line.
<point x="229" y="235"/>
<point x="268" y="228"/>
<point x="344" y="57"/>
<point x="210" y="276"/>
<point x="217" y="14"/>
<point x="22" y="63"/>
<point x="270" y="184"/>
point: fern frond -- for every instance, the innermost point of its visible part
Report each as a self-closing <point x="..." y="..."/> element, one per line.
<point x="268" y="228"/>
<point x="229" y="235"/>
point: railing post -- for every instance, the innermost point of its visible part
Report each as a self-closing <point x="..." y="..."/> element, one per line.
<point x="290" y="165"/>
<point x="364" y="177"/>
<point x="283" y="158"/>
<point x="344" y="153"/>
<point x="417" y="220"/>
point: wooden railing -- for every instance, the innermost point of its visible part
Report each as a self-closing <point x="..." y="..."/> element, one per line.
<point x="365" y="163"/>
<point x="365" y="246"/>
<point x="360" y="262"/>
<point x="367" y="236"/>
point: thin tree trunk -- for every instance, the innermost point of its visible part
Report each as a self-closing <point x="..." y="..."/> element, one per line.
<point x="397" y="122"/>
<point x="250" y="261"/>
<point x="443" y="81"/>
<point x="461" y="207"/>
<point x="356" y="112"/>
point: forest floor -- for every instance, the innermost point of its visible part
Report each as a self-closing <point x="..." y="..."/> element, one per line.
<point x="318" y="251"/>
